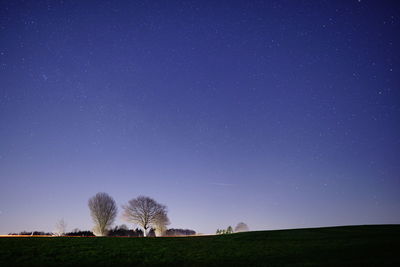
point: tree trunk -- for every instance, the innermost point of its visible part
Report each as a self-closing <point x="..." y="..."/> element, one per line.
<point x="144" y="232"/>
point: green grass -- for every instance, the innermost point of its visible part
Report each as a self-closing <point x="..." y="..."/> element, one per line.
<point x="374" y="245"/>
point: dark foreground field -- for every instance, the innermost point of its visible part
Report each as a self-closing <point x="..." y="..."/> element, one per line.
<point x="335" y="246"/>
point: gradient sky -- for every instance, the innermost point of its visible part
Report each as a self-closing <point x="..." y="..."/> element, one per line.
<point x="281" y="114"/>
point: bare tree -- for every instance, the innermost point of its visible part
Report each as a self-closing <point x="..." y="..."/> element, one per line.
<point x="61" y="227"/>
<point x="241" y="227"/>
<point x="160" y="223"/>
<point x="144" y="211"/>
<point x="103" y="211"/>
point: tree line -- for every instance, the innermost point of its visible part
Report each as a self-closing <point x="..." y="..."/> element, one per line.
<point x="142" y="211"/>
<point x="121" y="230"/>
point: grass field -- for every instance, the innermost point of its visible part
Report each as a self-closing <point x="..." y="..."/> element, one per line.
<point x="375" y="245"/>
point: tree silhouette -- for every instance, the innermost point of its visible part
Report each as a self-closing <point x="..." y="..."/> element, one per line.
<point x="103" y="211"/>
<point x="144" y="211"/>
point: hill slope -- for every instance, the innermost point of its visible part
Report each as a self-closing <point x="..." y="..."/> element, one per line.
<point x="374" y="245"/>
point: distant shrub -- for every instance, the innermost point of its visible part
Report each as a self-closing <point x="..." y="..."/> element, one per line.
<point x="80" y="233"/>
<point x="179" y="232"/>
<point x="124" y="231"/>
<point x="31" y="233"/>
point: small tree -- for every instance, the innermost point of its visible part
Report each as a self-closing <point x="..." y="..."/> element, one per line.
<point x="161" y="221"/>
<point x="103" y="211"/>
<point x="144" y="211"/>
<point x="221" y="232"/>
<point x="229" y="230"/>
<point x="241" y="227"/>
<point x="61" y="228"/>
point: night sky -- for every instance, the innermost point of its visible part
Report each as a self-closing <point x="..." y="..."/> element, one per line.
<point x="280" y="114"/>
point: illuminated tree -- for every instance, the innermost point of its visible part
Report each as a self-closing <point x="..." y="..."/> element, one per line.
<point x="160" y="223"/>
<point x="241" y="227"/>
<point x="61" y="227"/>
<point x="229" y="230"/>
<point x="103" y="211"/>
<point x="145" y="212"/>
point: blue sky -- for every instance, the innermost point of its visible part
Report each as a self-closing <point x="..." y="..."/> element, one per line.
<point x="280" y="114"/>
